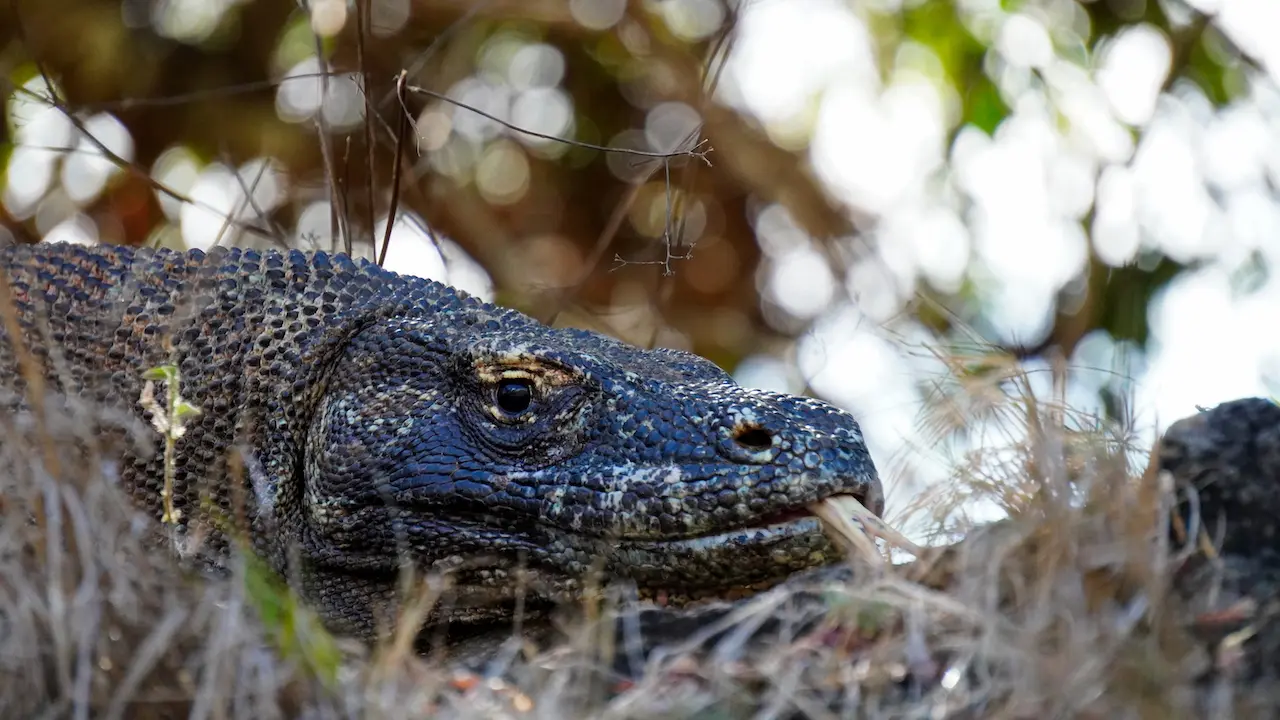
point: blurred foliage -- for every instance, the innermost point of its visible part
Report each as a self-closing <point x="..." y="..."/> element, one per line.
<point x="583" y="242"/>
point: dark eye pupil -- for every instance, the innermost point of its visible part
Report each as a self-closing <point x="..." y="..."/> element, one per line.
<point x="514" y="396"/>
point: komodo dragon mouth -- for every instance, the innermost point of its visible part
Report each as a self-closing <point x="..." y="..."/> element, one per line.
<point x="844" y="519"/>
<point x="750" y="555"/>
<point x="754" y="552"/>
<point x="554" y="561"/>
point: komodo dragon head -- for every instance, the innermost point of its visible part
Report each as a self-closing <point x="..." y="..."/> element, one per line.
<point x="520" y="459"/>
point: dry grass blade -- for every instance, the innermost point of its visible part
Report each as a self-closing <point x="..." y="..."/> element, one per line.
<point x="875" y="525"/>
<point x="845" y="531"/>
<point x="850" y="524"/>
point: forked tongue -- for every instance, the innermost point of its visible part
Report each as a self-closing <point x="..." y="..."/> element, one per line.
<point x="852" y="526"/>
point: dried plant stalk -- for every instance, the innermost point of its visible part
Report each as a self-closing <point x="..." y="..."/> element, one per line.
<point x="850" y="524"/>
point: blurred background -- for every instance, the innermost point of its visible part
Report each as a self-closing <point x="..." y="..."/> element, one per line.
<point x="873" y="202"/>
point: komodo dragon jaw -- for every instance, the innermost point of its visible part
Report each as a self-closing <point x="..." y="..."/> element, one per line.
<point x="391" y="417"/>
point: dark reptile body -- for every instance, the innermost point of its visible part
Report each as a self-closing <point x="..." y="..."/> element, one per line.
<point x="349" y="416"/>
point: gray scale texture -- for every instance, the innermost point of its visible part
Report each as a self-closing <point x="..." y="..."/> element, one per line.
<point x="350" y="418"/>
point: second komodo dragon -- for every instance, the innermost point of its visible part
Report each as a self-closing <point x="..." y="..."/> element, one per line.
<point x="356" y="417"/>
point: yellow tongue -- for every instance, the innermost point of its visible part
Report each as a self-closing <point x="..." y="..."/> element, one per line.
<point x="852" y="526"/>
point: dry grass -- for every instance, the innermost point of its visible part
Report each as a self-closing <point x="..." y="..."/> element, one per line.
<point x="1066" y="609"/>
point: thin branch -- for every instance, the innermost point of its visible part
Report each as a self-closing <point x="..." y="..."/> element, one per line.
<point x="693" y="152"/>
<point x="240" y="206"/>
<point x="402" y="129"/>
<point x="118" y="161"/>
<point x="362" y="20"/>
<point x="196" y="95"/>
<point x="277" y="233"/>
<point x="345" y="195"/>
<point x="713" y="69"/>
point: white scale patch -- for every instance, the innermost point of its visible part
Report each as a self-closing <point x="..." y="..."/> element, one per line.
<point x="674" y="475"/>
<point x="662" y="474"/>
<point x="611" y="500"/>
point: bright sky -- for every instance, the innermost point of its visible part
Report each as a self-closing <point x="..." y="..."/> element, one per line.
<point x="1004" y="209"/>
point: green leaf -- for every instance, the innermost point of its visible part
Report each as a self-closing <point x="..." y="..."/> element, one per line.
<point x="1215" y="70"/>
<point x="293" y="628"/>
<point x="936" y="24"/>
<point x="183" y="409"/>
<point x="983" y="106"/>
<point x="161" y="372"/>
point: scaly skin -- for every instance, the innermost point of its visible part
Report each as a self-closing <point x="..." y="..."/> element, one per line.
<point x="355" y="417"/>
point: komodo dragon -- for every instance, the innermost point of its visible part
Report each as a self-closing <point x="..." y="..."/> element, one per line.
<point x="355" y="417"/>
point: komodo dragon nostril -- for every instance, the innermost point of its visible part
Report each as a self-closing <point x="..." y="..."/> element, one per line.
<point x="753" y="437"/>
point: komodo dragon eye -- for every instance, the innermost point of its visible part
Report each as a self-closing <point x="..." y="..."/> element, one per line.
<point x="515" y="396"/>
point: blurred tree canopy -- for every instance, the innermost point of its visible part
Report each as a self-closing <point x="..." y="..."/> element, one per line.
<point x="662" y="250"/>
